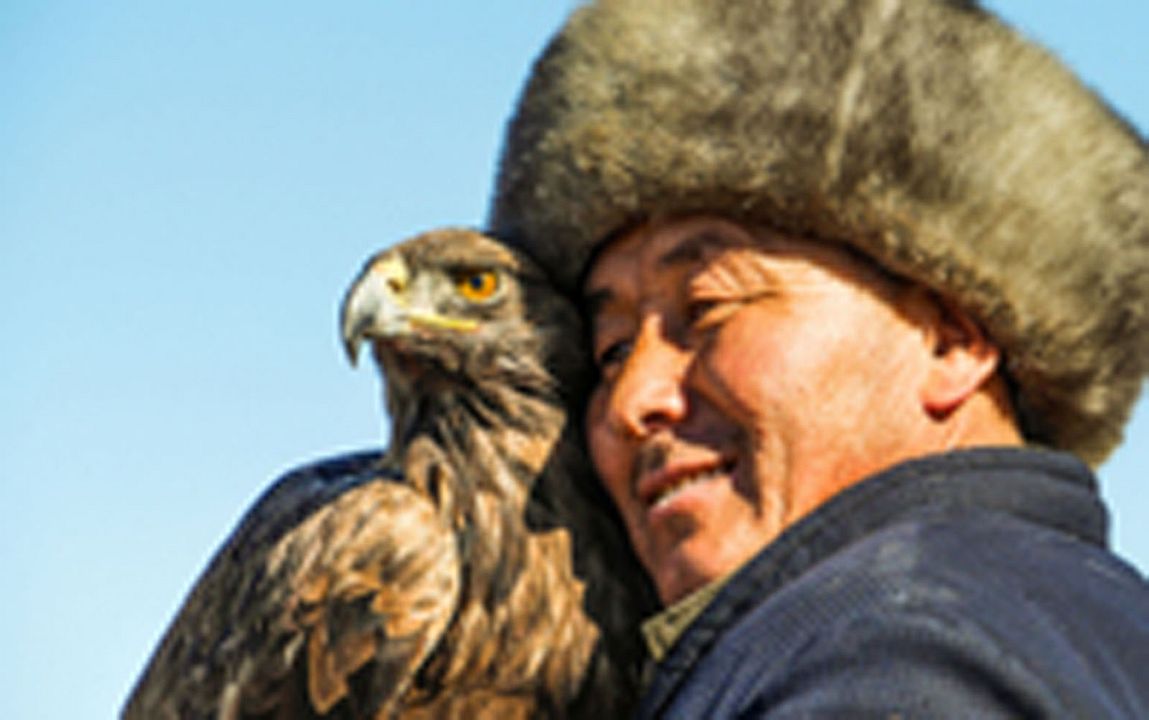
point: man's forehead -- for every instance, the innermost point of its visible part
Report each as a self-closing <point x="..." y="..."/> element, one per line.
<point x="665" y="254"/>
<point x="656" y="248"/>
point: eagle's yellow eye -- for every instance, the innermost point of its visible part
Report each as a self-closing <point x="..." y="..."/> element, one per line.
<point x="478" y="285"/>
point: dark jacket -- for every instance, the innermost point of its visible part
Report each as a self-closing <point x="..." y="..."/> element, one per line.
<point x="974" y="584"/>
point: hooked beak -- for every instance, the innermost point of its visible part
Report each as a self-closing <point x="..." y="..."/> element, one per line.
<point x="375" y="305"/>
<point x="379" y="305"/>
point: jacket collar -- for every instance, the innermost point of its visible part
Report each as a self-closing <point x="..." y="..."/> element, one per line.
<point x="1052" y="489"/>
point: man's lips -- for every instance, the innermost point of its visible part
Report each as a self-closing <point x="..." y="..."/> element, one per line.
<point x="661" y="485"/>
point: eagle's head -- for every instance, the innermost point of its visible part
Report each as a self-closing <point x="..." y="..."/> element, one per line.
<point x="453" y="310"/>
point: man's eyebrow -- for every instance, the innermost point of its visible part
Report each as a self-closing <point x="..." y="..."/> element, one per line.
<point x="694" y="249"/>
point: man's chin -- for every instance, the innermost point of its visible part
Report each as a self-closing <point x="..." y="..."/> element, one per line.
<point x="677" y="576"/>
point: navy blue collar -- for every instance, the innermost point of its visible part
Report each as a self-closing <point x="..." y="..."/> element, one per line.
<point x="1055" y="490"/>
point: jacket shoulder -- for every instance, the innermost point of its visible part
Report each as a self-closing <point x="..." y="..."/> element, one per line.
<point x="978" y="614"/>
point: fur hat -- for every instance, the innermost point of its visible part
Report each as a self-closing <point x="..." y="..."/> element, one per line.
<point x="924" y="133"/>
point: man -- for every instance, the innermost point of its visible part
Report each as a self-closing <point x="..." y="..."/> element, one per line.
<point x="729" y="358"/>
<point x="867" y="283"/>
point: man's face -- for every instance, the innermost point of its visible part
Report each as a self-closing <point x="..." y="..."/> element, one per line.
<point x="745" y="378"/>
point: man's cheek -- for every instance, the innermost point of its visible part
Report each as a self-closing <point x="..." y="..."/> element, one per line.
<point x="737" y="370"/>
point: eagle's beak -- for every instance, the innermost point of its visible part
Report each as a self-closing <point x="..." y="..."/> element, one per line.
<point x="376" y="304"/>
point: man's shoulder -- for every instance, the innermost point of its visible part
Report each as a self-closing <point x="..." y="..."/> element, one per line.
<point x="1022" y="584"/>
<point x="944" y="612"/>
<point x="973" y="550"/>
<point x="993" y="567"/>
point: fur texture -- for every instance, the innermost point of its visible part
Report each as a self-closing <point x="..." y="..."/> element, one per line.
<point x="924" y="133"/>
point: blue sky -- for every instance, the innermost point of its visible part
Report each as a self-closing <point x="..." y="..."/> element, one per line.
<point x="185" y="190"/>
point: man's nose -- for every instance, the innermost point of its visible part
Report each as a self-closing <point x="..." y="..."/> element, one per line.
<point x="648" y="393"/>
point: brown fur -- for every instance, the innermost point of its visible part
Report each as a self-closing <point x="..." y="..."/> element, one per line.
<point x="924" y="133"/>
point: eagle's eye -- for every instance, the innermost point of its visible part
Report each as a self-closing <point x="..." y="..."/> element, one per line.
<point x="477" y="285"/>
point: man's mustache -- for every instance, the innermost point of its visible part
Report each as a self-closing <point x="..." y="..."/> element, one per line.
<point x="651" y="457"/>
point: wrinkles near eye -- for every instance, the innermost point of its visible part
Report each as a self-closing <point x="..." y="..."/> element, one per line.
<point x="702" y="313"/>
<point x="697" y="310"/>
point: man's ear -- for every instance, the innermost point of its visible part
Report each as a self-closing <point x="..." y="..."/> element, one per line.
<point x="964" y="359"/>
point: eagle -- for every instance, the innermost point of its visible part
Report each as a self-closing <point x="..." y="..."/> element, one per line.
<point x="473" y="569"/>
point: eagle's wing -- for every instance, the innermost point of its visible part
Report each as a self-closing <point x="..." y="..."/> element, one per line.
<point x="332" y="591"/>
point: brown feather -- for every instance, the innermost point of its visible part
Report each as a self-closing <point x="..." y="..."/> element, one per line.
<point x="474" y="571"/>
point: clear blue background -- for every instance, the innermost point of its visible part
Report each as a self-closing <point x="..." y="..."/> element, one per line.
<point x="185" y="190"/>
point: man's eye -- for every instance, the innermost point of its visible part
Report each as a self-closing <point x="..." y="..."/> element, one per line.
<point x="613" y="356"/>
<point x="703" y="311"/>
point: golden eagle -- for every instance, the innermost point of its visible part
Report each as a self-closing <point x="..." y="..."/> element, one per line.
<point x="472" y="570"/>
